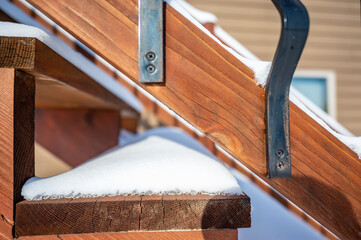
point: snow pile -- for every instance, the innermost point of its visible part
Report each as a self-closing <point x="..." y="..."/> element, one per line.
<point x="9" y="29"/>
<point x="161" y="161"/>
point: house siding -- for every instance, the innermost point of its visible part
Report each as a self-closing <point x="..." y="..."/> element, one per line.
<point x="334" y="42"/>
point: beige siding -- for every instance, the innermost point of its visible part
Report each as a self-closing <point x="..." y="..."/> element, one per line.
<point x="334" y="42"/>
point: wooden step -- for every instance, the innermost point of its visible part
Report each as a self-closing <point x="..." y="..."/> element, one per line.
<point x="132" y="213"/>
<point x="58" y="82"/>
<point x="215" y="92"/>
<point x="229" y="234"/>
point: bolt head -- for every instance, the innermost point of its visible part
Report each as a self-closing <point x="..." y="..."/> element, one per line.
<point x="280" y="165"/>
<point x="279" y="153"/>
<point x="150" y="56"/>
<point x="150" y="68"/>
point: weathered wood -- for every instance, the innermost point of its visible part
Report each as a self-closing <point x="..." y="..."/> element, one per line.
<point x="229" y="234"/>
<point x="17" y="92"/>
<point x="59" y="83"/>
<point x="76" y="135"/>
<point x="131" y="213"/>
<point x="215" y="92"/>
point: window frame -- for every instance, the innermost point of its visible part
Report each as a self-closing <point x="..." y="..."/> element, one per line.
<point x="330" y="77"/>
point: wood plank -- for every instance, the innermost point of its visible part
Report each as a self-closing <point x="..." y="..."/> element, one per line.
<point x="229" y="234"/>
<point x="215" y="92"/>
<point x="76" y="135"/>
<point x="24" y="111"/>
<point x="59" y="83"/>
<point x="16" y="141"/>
<point x="132" y="213"/>
<point x="6" y="152"/>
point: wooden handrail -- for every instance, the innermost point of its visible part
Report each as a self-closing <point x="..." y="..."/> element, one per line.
<point x="215" y="92"/>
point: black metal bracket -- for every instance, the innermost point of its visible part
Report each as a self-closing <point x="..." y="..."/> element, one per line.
<point x="295" y="25"/>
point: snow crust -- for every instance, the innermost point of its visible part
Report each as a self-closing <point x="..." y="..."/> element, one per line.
<point x="160" y="161"/>
<point x="9" y="29"/>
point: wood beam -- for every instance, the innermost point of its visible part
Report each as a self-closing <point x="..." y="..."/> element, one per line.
<point x="229" y="234"/>
<point x="132" y="213"/>
<point x="58" y="82"/>
<point x="215" y="92"/>
<point x="17" y="90"/>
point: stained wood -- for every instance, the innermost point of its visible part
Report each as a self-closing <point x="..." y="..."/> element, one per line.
<point x="215" y="92"/>
<point x="6" y="152"/>
<point x="24" y="108"/>
<point x="76" y="135"/>
<point x="131" y="213"/>
<point x="333" y="43"/>
<point x="16" y="141"/>
<point x="229" y="234"/>
<point x="59" y="83"/>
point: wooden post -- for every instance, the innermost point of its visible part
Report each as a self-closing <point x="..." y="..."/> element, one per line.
<point x="16" y="141"/>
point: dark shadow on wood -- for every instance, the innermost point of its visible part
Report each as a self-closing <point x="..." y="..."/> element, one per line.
<point x="335" y="201"/>
<point x="229" y="215"/>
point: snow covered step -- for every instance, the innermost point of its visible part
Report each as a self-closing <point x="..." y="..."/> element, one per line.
<point x="132" y="213"/>
<point x="159" y="180"/>
<point x="63" y="77"/>
<point x="213" y="88"/>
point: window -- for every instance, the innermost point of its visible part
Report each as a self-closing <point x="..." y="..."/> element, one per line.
<point x="319" y="87"/>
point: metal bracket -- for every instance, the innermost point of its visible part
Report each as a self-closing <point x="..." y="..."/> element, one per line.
<point x="295" y="25"/>
<point x="151" y="41"/>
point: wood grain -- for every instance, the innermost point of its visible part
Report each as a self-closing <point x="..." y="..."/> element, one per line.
<point x="215" y="92"/>
<point x="76" y="135"/>
<point x="59" y="83"/>
<point x="16" y="142"/>
<point x="24" y="111"/>
<point x="229" y="234"/>
<point x="131" y="213"/>
<point x="6" y="152"/>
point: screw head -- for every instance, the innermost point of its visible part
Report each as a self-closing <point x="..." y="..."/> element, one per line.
<point x="150" y="68"/>
<point x="280" y="165"/>
<point x="279" y="153"/>
<point x="150" y="56"/>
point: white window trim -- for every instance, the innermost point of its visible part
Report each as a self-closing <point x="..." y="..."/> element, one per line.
<point x="330" y="77"/>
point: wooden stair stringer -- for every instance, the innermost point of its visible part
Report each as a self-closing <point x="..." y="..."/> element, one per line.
<point x="216" y="93"/>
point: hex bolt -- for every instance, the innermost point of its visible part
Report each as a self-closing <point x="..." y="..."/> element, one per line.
<point x="150" y="56"/>
<point x="279" y="153"/>
<point x="280" y="165"/>
<point x="150" y="68"/>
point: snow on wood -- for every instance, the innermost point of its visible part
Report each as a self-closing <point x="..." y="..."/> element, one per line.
<point x="8" y="29"/>
<point x="261" y="70"/>
<point x="160" y="161"/>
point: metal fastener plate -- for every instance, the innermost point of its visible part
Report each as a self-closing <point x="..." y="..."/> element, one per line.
<point x="151" y="41"/>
